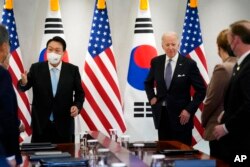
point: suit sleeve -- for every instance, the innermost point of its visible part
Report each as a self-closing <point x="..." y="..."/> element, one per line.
<point x="9" y="131"/>
<point x="149" y="82"/>
<point x="199" y="86"/>
<point x="215" y="92"/>
<point x="239" y="120"/>
<point x="79" y="95"/>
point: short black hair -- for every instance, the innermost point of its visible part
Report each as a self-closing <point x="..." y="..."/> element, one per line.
<point x="4" y="35"/>
<point x="57" y="39"/>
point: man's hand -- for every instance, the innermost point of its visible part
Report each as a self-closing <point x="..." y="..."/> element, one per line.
<point x="74" y="111"/>
<point x="219" y="131"/>
<point x="184" y="117"/>
<point x="153" y="101"/>
<point x="21" y="127"/>
<point x="24" y="79"/>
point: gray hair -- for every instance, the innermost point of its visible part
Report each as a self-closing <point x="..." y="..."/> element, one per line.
<point x="4" y="35"/>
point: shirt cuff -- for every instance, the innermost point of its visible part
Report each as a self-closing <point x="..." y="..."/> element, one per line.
<point x="224" y="127"/>
<point x="11" y="157"/>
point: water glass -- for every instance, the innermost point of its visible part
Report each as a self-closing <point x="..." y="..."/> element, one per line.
<point x="83" y="140"/>
<point x="125" y="141"/>
<point x="103" y="156"/>
<point x="113" y="134"/>
<point x="139" y="150"/>
<point x="157" y="160"/>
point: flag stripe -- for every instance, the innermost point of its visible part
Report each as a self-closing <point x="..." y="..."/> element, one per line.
<point x="143" y="25"/>
<point x="53" y="31"/>
<point x="26" y="124"/>
<point x="15" y="69"/>
<point x="88" y="120"/>
<point x="99" y="124"/>
<point x="53" y="20"/>
<point x="202" y="69"/>
<point x="197" y="123"/>
<point x="95" y="107"/>
<point x="53" y="26"/>
<point x="101" y="104"/>
<point x="201" y="56"/>
<point x="192" y="46"/>
<point x="105" y="96"/>
<point x="111" y="57"/>
<point x="17" y="60"/>
<point x="143" y="19"/>
<point x="103" y="100"/>
<point x="108" y="77"/>
<point x="21" y="94"/>
<point x="143" y="31"/>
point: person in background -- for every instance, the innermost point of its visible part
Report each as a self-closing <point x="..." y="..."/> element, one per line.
<point x="58" y="95"/>
<point x="233" y="131"/>
<point x="5" y="64"/>
<point x="9" y="122"/>
<point x="214" y="103"/>
<point x="172" y="106"/>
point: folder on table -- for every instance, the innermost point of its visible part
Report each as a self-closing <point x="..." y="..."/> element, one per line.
<point x="37" y="146"/>
<point x="36" y="157"/>
<point x="195" y="163"/>
<point x="65" y="162"/>
<point x="178" y="152"/>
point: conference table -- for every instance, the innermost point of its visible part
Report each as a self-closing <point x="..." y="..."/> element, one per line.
<point x="127" y="156"/>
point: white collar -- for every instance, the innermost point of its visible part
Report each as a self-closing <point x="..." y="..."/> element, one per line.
<point x="57" y="67"/>
<point x="240" y="60"/>
<point x="174" y="59"/>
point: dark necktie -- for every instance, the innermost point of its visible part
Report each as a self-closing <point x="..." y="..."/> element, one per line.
<point x="168" y="73"/>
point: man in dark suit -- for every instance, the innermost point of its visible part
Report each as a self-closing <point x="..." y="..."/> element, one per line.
<point x="9" y="122"/>
<point x="173" y="107"/>
<point x="233" y="132"/>
<point x="57" y="95"/>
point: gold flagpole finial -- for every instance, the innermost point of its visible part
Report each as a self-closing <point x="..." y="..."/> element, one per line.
<point x="144" y="4"/>
<point x="193" y="3"/>
<point x="101" y="4"/>
<point x="54" y="5"/>
<point x="8" y="4"/>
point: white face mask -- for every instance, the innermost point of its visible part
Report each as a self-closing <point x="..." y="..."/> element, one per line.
<point x="53" y="58"/>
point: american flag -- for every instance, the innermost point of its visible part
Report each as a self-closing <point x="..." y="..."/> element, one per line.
<point x="16" y="68"/>
<point x="102" y="107"/>
<point x="192" y="46"/>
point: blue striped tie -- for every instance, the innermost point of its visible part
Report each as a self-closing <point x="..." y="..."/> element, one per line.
<point x="168" y="74"/>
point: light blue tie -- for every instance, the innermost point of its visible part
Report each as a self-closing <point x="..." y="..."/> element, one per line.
<point x="54" y="81"/>
<point x="168" y="74"/>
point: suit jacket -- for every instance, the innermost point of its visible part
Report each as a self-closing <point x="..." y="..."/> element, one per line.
<point x="9" y="122"/>
<point x="178" y="97"/>
<point x="69" y="92"/>
<point x="237" y="108"/>
<point x="214" y="103"/>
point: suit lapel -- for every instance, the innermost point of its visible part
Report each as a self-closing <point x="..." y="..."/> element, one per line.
<point x="46" y="74"/>
<point x="178" y="69"/>
<point x="162" y="66"/>
<point x="62" y="73"/>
